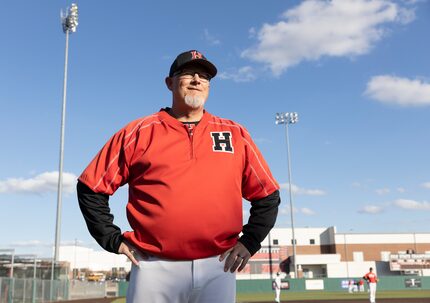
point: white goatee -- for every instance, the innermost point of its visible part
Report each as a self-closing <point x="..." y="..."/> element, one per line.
<point x="194" y="101"/>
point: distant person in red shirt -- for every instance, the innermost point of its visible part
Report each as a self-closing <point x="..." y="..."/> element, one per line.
<point x="371" y="279"/>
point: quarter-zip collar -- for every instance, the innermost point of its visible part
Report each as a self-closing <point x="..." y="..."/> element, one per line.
<point x="166" y="117"/>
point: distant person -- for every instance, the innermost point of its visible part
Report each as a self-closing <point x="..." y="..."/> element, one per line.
<point x="361" y="285"/>
<point x="277" y="284"/>
<point x="350" y="286"/>
<point x="356" y="284"/>
<point x="371" y="279"/>
<point x="187" y="172"/>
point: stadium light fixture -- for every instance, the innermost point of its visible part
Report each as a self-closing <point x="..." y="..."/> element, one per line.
<point x="69" y="21"/>
<point x="289" y="118"/>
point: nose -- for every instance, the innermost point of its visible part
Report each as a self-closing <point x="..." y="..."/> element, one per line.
<point x="198" y="77"/>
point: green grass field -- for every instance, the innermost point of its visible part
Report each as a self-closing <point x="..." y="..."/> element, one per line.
<point x="326" y="295"/>
<point x="323" y="295"/>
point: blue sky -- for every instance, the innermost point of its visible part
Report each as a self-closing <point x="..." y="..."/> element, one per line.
<point x="356" y="72"/>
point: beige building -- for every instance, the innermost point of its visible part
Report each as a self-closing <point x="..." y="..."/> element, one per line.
<point x="322" y="252"/>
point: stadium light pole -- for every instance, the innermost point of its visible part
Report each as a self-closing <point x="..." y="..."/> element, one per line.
<point x="69" y="21"/>
<point x="289" y="118"/>
<point x="12" y="259"/>
<point x="346" y="255"/>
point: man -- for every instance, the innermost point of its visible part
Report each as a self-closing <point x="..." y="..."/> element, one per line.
<point x="350" y="286"/>
<point x="371" y="279"/>
<point x="361" y="285"/>
<point x="187" y="173"/>
<point x="277" y="285"/>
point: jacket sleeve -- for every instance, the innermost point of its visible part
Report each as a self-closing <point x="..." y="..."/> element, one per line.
<point x="261" y="221"/>
<point x="257" y="179"/>
<point x="97" y="215"/>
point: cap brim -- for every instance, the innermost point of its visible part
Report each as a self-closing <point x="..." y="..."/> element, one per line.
<point x="212" y="70"/>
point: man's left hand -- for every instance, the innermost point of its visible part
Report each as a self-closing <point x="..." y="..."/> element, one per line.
<point x="237" y="256"/>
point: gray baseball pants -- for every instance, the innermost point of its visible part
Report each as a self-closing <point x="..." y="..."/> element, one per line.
<point x="166" y="281"/>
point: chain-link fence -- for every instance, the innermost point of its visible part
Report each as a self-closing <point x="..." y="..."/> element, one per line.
<point x="32" y="290"/>
<point x="38" y="290"/>
<point x="85" y="289"/>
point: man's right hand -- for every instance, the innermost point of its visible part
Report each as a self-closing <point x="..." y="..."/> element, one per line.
<point x="130" y="252"/>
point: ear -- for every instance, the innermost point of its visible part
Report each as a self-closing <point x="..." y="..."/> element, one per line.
<point x="169" y="82"/>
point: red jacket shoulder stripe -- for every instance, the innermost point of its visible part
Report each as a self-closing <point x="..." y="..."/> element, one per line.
<point x="259" y="162"/>
<point x="139" y="124"/>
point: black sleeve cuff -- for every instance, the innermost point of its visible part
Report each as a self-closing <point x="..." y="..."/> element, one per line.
<point x="99" y="220"/>
<point x="251" y="245"/>
<point x="262" y="218"/>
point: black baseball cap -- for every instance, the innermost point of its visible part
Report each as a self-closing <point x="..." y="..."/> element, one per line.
<point x="192" y="57"/>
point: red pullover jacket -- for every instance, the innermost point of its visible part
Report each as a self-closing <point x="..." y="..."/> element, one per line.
<point x="185" y="188"/>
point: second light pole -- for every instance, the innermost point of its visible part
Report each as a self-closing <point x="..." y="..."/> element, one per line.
<point x="69" y="21"/>
<point x="289" y="118"/>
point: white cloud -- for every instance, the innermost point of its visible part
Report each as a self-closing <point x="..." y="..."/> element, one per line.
<point x="243" y="74"/>
<point x="401" y="189"/>
<point x="399" y="91"/>
<point x="38" y="243"/>
<point x="72" y="243"/>
<point x="426" y="185"/>
<point x="252" y="32"/>
<point x="383" y="191"/>
<point x="44" y="183"/>
<point x="303" y="191"/>
<point x="304" y="210"/>
<point x="31" y="243"/>
<point x="313" y="29"/>
<point x="411" y="204"/>
<point x="411" y="2"/>
<point x="371" y="209"/>
<point x="211" y="39"/>
<point x="307" y="211"/>
<point x="286" y="210"/>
